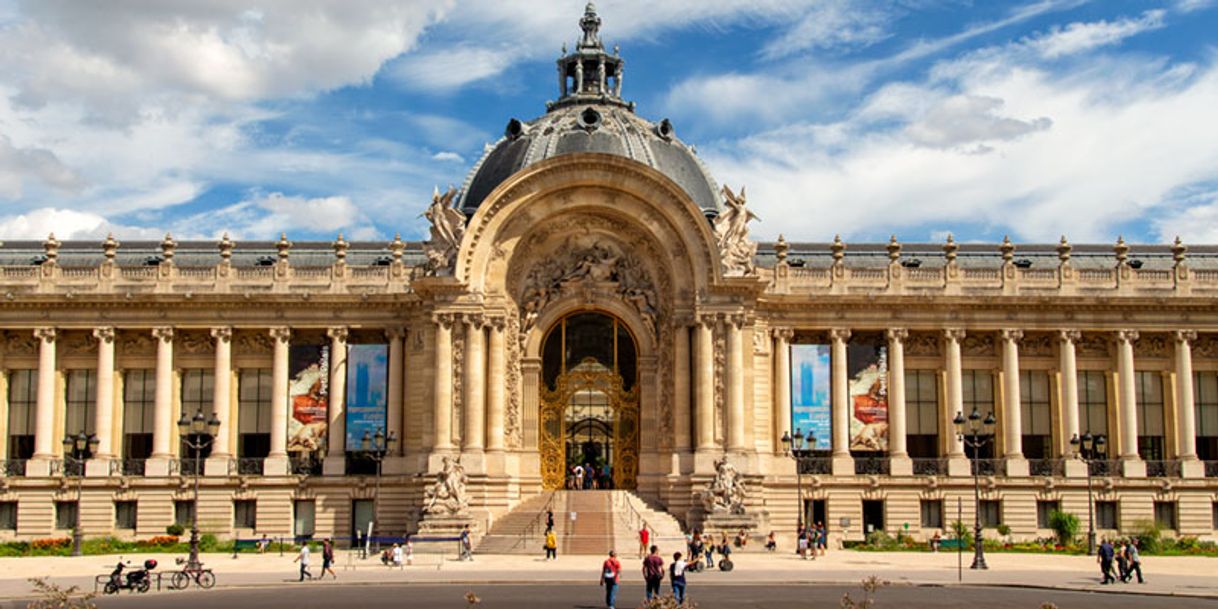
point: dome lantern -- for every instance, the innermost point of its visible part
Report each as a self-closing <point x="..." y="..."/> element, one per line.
<point x="590" y="74"/>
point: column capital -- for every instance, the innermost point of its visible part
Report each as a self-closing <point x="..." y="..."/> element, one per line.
<point x="281" y="334"/>
<point x="1185" y="336"/>
<point x="1126" y="336"/>
<point x="395" y="332"/>
<point x="163" y="333"/>
<point x="338" y="333"/>
<point x="782" y="333"/>
<point x="707" y="320"/>
<point x="842" y="334"/>
<point x="1012" y="335"/>
<point x="954" y="334"/>
<point x="444" y="319"/>
<point x="222" y="334"/>
<point x="475" y="321"/>
<point x="496" y="322"/>
<point x="104" y="334"/>
<point x="737" y="320"/>
<point x="46" y="335"/>
<point x="1069" y="336"/>
<point x="897" y="335"/>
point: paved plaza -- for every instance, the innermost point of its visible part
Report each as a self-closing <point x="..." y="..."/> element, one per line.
<point x="1020" y="576"/>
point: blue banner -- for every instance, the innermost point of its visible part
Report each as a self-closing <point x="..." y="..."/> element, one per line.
<point x="367" y="385"/>
<point x="810" y="399"/>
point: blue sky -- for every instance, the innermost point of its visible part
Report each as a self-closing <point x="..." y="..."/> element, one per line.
<point x="859" y="117"/>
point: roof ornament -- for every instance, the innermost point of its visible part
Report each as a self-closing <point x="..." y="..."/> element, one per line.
<point x="590" y="74"/>
<point x="736" y="251"/>
<point x="591" y="25"/>
<point x="447" y="229"/>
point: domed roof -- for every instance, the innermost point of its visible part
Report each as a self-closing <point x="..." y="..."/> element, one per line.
<point x="590" y="116"/>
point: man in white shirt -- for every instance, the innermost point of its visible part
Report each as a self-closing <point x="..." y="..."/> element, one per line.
<point x="303" y="559"/>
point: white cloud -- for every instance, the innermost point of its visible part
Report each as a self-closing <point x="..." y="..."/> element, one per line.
<point x="969" y="120"/>
<point x="833" y="24"/>
<point x="448" y="156"/>
<point x="1188" y="6"/>
<point x="269" y="214"/>
<point x="66" y="224"/>
<point x="1079" y="37"/>
<point x="20" y="165"/>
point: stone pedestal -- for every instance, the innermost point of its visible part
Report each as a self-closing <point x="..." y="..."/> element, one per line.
<point x="719" y="523"/>
<point x="216" y="466"/>
<point x="38" y="468"/>
<point x="843" y="465"/>
<point x="276" y="466"/>
<point x="98" y="468"/>
<point x="1133" y="468"/>
<point x="900" y="466"/>
<point x="334" y="466"/>
<point x="1075" y="468"/>
<point x="156" y="467"/>
<point x="959" y="466"/>
<point x="1016" y="467"/>
<point x="1192" y="468"/>
<point x="445" y="526"/>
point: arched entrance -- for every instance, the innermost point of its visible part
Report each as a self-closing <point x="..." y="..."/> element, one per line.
<point x="589" y="400"/>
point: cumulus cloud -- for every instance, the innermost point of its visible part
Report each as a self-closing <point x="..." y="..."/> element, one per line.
<point x="963" y="120"/>
<point x="268" y="214"/>
<point x="66" y="224"/>
<point x="20" y="165"/>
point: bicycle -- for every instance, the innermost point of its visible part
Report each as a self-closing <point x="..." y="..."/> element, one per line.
<point x="203" y="578"/>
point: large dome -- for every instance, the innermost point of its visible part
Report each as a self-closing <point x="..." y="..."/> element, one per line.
<point x="590" y="116"/>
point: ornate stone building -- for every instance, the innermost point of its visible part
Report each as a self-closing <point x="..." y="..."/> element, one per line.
<point x="591" y="295"/>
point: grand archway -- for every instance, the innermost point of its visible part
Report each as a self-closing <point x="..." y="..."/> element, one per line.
<point x="589" y="411"/>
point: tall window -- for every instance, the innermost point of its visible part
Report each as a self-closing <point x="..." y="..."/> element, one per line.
<point x="922" y="414"/>
<point x="1093" y="402"/>
<point x="197" y="394"/>
<point x="1205" y="400"/>
<point x="1044" y="512"/>
<point x="254" y="405"/>
<point x="1149" y="399"/>
<point x="8" y="515"/>
<point x="22" y="401"/>
<point x="1165" y="515"/>
<point x="80" y="401"/>
<point x="125" y="514"/>
<point x="245" y="514"/>
<point x="139" y="408"/>
<point x="932" y="513"/>
<point x="1106" y="514"/>
<point x="183" y="512"/>
<point x="303" y="517"/>
<point x="978" y="394"/>
<point x="1034" y="412"/>
<point x="991" y="512"/>
<point x="65" y="514"/>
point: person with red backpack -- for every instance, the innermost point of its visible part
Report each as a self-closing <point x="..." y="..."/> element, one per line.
<point x="653" y="572"/>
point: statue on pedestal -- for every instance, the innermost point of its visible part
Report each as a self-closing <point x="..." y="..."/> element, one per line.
<point x="726" y="493"/>
<point x="446" y="496"/>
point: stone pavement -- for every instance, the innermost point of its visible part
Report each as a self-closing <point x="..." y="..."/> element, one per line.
<point x="1186" y="576"/>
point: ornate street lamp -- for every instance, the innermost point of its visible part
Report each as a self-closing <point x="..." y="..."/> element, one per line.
<point x="76" y="449"/>
<point x="794" y="447"/>
<point x="1089" y="449"/>
<point x="376" y="447"/>
<point x="976" y="433"/>
<point x="197" y="432"/>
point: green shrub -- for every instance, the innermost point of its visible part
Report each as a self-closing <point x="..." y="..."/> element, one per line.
<point x="1003" y="529"/>
<point x="1149" y="536"/>
<point x="175" y="530"/>
<point x="209" y="543"/>
<point x="959" y="530"/>
<point x="1064" y="525"/>
<point x="881" y="540"/>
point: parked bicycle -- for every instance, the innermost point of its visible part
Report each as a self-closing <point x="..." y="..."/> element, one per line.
<point x="203" y="578"/>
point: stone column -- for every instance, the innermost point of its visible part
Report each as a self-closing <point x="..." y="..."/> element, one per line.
<point x="442" y="409"/>
<point x="217" y="463"/>
<point x="393" y="396"/>
<point x="1131" y="463"/>
<point x="843" y="464"/>
<point x="705" y="415"/>
<point x="103" y="421"/>
<point x="1186" y="430"/>
<point x="276" y="463"/>
<point x="44" y="414"/>
<point x="957" y="463"/>
<point x="336" y="437"/>
<point x="734" y="421"/>
<point x="496" y="387"/>
<point x="474" y="384"/>
<point x="782" y="386"/>
<point x="681" y="393"/>
<point x="1012" y="422"/>
<point x="1069" y="401"/>
<point x="163" y="419"/>
<point x="898" y="453"/>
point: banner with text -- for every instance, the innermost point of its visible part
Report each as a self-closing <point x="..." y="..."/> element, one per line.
<point x="867" y="369"/>
<point x="308" y="393"/>
<point x="367" y="385"/>
<point x="810" y="401"/>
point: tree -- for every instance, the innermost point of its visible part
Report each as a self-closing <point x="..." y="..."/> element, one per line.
<point x="1064" y="525"/>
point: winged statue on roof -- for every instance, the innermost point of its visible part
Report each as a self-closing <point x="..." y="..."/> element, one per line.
<point x="732" y="234"/>
<point x="447" y="229"/>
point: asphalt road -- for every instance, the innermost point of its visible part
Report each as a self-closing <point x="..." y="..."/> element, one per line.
<point x="328" y="595"/>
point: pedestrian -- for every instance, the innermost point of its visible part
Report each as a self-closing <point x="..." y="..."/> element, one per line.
<point x="725" y="555"/>
<point x="263" y="543"/>
<point x="742" y="539"/>
<point x="771" y="542"/>
<point x="397" y="555"/>
<point x="801" y="538"/>
<point x="1122" y="561"/>
<point x="644" y="539"/>
<point x="1104" y="556"/>
<point x="327" y="558"/>
<point x="822" y="538"/>
<point x="551" y="544"/>
<point x="589" y="476"/>
<point x="676" y="577"/>
<point x="303" y="559"/>
<point x="1135" y="561"/>
<point x="935" y="542"/>
<point x="549" y="519"/>
<point x="467" y="545"/>
<point x="708" y="548"/>
<point x="409" y="550"/>
<point x="611" y="572"/>
<point x="653" y="572"/>
<point x="579" y="477"/>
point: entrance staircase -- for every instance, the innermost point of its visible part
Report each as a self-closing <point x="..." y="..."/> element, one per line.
<point x="603" y="520"/>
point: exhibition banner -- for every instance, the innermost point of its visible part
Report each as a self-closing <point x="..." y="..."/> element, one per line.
<point x="810" y="401"/>
<point x="367" y="385"/>
<point x="308" y="393"/>
<point x="867" y="369"/>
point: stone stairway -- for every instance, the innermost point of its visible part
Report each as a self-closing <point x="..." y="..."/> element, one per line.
<point x="604" y="520"/>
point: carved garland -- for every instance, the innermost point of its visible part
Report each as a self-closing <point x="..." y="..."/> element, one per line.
<point x="514" y="389"/>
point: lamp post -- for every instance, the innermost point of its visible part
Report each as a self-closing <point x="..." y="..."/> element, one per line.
<point x="794" y="447"/>
<point x="1089" y="449"/>
<point x="376" y="447"/>
<point x="197" y="433"/>
<point x="969" y="431"/>
<point x="76" y="449"/>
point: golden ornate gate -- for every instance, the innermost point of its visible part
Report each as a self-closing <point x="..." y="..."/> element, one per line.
<point x="589" y="378"/>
